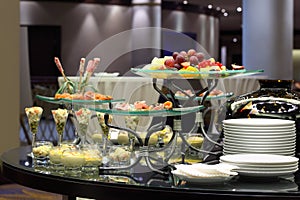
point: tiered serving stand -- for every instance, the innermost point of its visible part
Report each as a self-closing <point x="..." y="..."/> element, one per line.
<point x="145" y="154"/>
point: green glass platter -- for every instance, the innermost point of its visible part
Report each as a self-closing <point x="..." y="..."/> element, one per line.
<point x="76" y="101"/>
<point x="198" y="98"/>
<point x="173" y="74"/>
<point x="172" y="112"/>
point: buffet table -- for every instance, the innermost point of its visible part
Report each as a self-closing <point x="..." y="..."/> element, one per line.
<point x="17" y="167"/>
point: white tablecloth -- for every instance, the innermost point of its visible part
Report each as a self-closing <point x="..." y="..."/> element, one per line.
<point x="240" y="85"/>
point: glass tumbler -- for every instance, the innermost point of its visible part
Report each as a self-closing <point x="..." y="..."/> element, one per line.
<point x="41" y="150"/>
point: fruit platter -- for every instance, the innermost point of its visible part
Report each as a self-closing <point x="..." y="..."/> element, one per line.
<point x="189" y="65"/>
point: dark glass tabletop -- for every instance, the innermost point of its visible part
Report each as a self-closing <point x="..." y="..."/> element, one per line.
<point x="138" y="183"/>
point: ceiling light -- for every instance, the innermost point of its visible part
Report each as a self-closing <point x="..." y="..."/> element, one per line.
<point x="234" y="40"/>
<point x="225" y="14"/>
<point x="239" y="9"/>
<point x="185" y="2"/>
<point x="223" y="10"/>
<point x="218" y="8"/>
<point x="209" y="6"/>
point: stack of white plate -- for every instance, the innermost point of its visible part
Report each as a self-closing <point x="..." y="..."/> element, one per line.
<point x="262" y="165"/>
<point x="259" y="135"/>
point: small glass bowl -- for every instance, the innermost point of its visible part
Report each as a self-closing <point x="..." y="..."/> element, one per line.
<point x="41" y="150"/>
<point x="119" y="156"/>
<point x="55" y="158"/>
<point x="93" y="160"/>
<point x="73" y="160"/>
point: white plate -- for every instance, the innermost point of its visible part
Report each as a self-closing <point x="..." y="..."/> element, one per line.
<point x="249" y="148"/>
<point x="285" y="153"/>
<point x="259" y="144"/>
<point x="286" y="132"/>
<point x="244" y="145"/>
<point x="204" y="180"/>
<point x="261" y="151"/>
<point x="260" y="129"/>
<point x="290" y="137"/>
<point x="106" y="74"/>
<point x="259" y="159"/>
<point x="261" y="140"/>
<point x="226" y="153"/>
<point x="290" y="133"/>
<point x="265" y="174"/>
<point x="265" y="166"/>
<point x="274" y="169"/>
<point x="258" y="122"/>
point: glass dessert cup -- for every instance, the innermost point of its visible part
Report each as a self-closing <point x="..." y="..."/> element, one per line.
<point x="73" y="161"/>
<point x="104" y="127"/>
<point x="93" y="160"/>
<point x="82" y="117"/>
<point x="55" y="158"/>
<point x="194" y="155"/>
<point x="41" y="150"/>
<point x="34" y="115"/>
<point x="132" y="122"/>
<point x="119" y="156"/>
<point x="60" y="117"/>
<point x="103" y="138"/>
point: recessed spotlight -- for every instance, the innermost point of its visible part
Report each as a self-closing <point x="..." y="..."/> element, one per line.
<point x="218" y="8"/>
<point x="223" y="10"/>
<point x="225" y="14"/>
<point x="185" y="2"/>
<point x="234" y="40"/>
<point x="210" y="6"/>
<point x="239" y="9"/>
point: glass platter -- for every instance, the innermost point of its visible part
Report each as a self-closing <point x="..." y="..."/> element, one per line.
<point x="171" y="74"/>
<point x="75" y="101"/>
<point x="173" y="112"/>
<point x="198" y="98"/>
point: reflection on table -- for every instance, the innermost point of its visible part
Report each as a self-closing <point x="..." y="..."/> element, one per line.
<point x="17" y="167"/>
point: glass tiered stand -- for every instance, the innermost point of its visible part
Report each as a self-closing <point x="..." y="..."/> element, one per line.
<point x="159" y="156"/>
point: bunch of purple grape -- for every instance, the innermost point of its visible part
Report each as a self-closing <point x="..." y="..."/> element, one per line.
<point x="184" y="59"/>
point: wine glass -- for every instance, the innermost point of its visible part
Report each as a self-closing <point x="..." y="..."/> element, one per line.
<point x="132" y="122"/>
<point x="60" y="117"/>
<point x="104" y="127"/>
<point x="83" y="116"/>
<point x="33" y="115"/>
